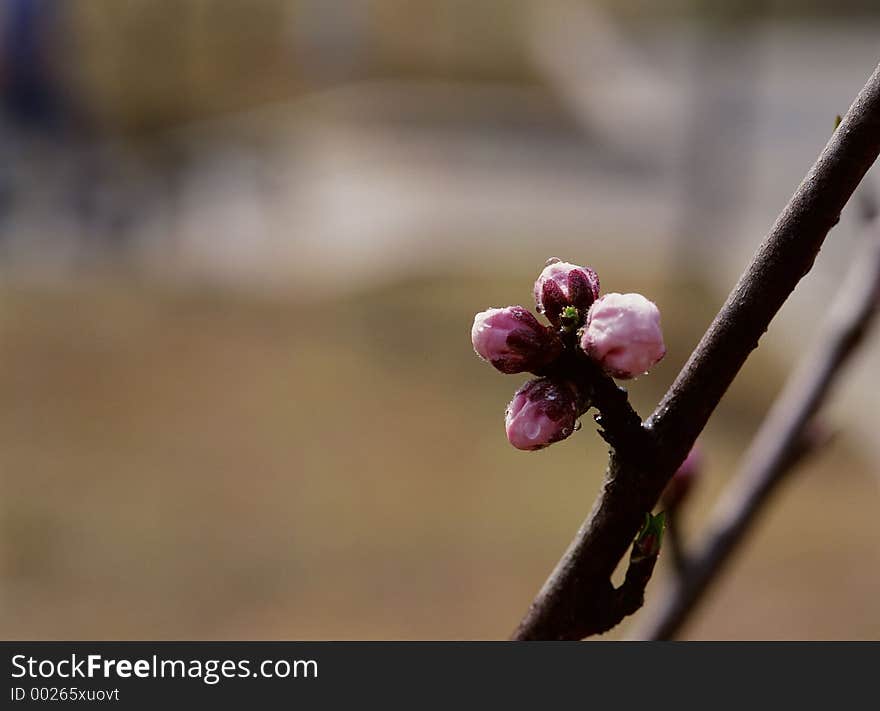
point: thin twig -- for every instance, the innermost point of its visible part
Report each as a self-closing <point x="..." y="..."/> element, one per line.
<point x="782" y="441"/>
<point x="573" y="603"/>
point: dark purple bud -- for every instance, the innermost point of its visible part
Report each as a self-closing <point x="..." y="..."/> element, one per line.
<point x="542" y="412"/>
<point x="561" y="284"/>
<point x="580" y="289"/>
<point x="552" y="301"/>
<point x="513" y="340"/>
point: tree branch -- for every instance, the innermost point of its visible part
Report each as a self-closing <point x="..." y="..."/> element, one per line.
<point x="782" y="441"/>
<point x="575" y="597"/>
<point x="620" y="424"/>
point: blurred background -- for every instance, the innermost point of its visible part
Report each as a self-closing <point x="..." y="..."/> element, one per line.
<point x="241" y="246"/>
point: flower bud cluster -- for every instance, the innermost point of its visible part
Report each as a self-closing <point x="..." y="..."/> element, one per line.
<point x="619" y="332"/>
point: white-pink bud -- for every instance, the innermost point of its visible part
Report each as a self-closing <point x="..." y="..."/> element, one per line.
<point x="542" y="412"/>
<point x="623" y="335"/>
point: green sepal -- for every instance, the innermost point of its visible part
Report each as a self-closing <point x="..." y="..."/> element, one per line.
<point x="650" y="538"/>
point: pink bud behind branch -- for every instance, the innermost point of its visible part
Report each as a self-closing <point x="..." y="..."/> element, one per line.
<point x="684" y="479"/>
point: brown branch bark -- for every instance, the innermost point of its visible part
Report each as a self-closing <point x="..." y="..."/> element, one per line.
<point x="573" y="603"/>
<point x="781" y="443"/>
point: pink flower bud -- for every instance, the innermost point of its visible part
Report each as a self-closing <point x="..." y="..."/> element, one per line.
<point x="513" y="340"/>
<point x="562" y="284"/>
<point x="542" y="412"/>
<point x="681" y="483"/>
<point x="623" y="335"/>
